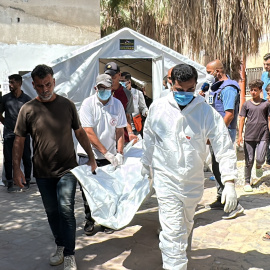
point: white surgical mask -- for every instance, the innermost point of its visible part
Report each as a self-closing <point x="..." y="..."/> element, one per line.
<point x="210" y="79"/>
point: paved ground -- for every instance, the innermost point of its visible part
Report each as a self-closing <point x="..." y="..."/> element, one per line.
<point x="217" y="244"/>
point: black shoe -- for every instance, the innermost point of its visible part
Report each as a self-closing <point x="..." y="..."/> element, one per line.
<point x="216" y="205"/>
<point x="89" y="227"/>
<point x="107" y="230"/>
<point x="12" y="189"/>
<point x="27" y="185"/>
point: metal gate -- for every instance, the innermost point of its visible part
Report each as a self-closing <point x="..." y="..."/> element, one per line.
<point x="252" y="74"/>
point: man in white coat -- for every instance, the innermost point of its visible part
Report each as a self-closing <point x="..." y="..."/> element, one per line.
<point x="140" y="108"/>
<point x="175" y="135"/>
<point x="103" y="119"/>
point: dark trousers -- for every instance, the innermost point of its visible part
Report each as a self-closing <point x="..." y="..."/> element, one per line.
<point x="26" y="158"/>
<point x="58" y="199"/>
<point x="250" y="147"/>
<point x="268" y="152"/>
<point x="100" y="163"/>
<point x="216" y="172"/>
<point x="215" y="166"/>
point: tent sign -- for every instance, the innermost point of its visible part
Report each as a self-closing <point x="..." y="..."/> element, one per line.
<point x="126" y="44"/>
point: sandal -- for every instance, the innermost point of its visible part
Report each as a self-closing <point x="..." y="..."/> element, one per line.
<point x="266" y="237"/>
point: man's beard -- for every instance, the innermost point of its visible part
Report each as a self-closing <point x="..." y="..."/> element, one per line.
<point x="46" y="98"/>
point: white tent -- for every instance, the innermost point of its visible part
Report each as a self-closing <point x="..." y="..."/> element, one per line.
<point x="147" y="61"/>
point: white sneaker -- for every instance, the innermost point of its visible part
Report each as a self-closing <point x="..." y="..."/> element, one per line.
<point x="70" y="263"/>
<point x="58" y="257"/>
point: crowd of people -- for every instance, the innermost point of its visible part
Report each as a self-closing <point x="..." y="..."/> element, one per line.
<point x="178" y="129"/>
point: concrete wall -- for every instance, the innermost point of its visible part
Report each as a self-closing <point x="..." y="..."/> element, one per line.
<point x="39" y="31"/>
<point x="257" y="60"/>
<point x="51" y="22"/>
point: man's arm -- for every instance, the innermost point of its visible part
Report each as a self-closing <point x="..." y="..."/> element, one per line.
<point x="129" y="128"/>
<point x="229" y="97"/>
<point x="222" y="146"/>
<point x="229" y="115"/>
<point x="241" y="127"/>
<point x="142" y="106"/>
<point x="94" y="140"/>
<point x="85" y="143"/>
<point x="17" y="153"/>
<point x="131" y="135"/>
<point x="129" y="110"/>
<point x="148" y="141"/>
<point x="120" y="139"/>
<point x="225" y="156"/>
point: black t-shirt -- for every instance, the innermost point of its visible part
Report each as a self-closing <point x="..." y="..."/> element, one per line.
<point x="11" y="105"/>
<point x="50" y="125"/>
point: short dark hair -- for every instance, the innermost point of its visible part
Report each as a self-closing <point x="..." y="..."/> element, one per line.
<point x="267" y="88"/>
<point x="165" y="79"/>
<point x="256" y="84"/>
<point x="41" y="71"/>
<point x="183" y="73"/>
<point x="15" y="77"/>
<point x="266" y="57"/>
<point x="127" y="75"/>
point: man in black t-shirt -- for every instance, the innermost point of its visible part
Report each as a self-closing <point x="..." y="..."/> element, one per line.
<point x="50" y="119"/>
<point x="11" y="104"/>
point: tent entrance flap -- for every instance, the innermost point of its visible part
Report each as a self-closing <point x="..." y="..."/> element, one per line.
<point x="139" y="68"/>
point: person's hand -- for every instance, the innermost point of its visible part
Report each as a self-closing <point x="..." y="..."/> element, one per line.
<point x="240" y="140"/>
<point x="145" y="170"/>
<point x="93" y="165"/>
<point x="111" y="157"/>
<point x="229" y="197"/>
<point x="19" y="178"/>
<point x="132" y="136"/>
<point x="120" y="158"/>
<point x="201" y="93"/>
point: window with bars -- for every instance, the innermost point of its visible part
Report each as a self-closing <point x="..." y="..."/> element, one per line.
<point x="252" y="74"/>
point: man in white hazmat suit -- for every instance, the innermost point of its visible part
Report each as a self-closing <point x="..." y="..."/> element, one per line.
<point x="175" y="135"/>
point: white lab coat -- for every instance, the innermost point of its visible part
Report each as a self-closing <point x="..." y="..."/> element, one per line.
<point x="175" y="148"/>
<point x="139" y="103"/>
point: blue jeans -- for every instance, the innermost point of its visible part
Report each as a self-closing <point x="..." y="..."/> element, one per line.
<point x="58" y="199"/>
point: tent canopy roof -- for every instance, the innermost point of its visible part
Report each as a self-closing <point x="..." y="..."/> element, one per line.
<point x="145" y="59"/>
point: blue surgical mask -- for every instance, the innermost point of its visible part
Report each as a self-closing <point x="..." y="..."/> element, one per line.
<point x="104" y="94"/>
<point x="183" y="98"/>
<point x="123" y="84"/>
